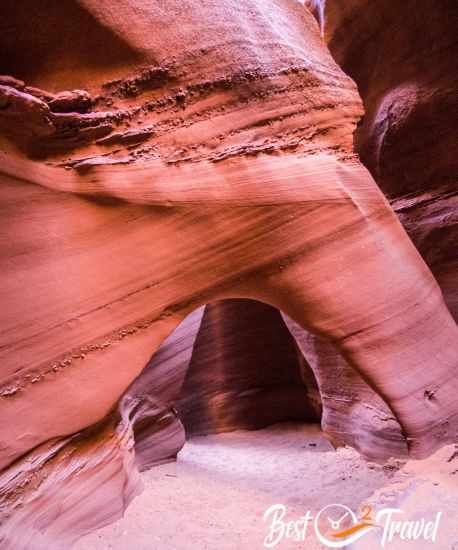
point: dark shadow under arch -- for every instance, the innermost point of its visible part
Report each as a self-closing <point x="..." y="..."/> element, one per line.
<point x="229" y="365"/>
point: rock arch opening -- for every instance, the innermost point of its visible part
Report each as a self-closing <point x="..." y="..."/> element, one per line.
<point x="232" y="364"/>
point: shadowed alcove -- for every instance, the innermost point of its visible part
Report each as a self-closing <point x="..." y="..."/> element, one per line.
<point x="230" y="365"/>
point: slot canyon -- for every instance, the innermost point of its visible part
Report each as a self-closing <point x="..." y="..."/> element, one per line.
<point x="229" y="273"/>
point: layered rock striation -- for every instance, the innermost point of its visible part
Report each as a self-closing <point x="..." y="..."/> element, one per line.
<point x="167" y="157"/>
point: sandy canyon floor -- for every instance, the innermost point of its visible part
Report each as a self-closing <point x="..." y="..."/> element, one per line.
<point x="215" y="495"/>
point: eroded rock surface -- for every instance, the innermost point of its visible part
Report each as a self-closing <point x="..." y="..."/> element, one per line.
<point x="405" y="69"/>
<point x="146" y="174"/>
<point x="407" y="74"/>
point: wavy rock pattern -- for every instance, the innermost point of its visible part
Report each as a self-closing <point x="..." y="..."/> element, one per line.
<point x="407" y="135"/>
<point x="353" y="413"/>
<point x="406" y="77"/>
<point x="65" y="488"/>
<point x="69" y="486"/>
<point x="158" y="432"/>
<point x="207" y="161"/>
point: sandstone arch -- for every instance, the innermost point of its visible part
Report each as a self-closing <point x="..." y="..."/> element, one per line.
<point x="225" y="170"/>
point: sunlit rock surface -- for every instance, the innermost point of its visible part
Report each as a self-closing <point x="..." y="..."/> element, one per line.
<point x="157" y="159"/>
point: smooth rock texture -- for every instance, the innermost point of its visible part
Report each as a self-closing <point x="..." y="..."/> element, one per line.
<point x="407" y="74"/>
<point x="353" y="413"/>
<point x="65" y="488"/>
<point x="245" y="372"/>
<point x="158" y="432"/>
<point x="146" y="174"/>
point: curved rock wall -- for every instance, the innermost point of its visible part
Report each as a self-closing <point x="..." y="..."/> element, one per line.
<point x="245" y="372"/>
<point x="110" y="266"/>
<point x="407" y="73"/>
<point x="210" y="159"/>
<point x="68" y="487"/>
<point x="353" y="413"/>
<point x="403" y="58"/>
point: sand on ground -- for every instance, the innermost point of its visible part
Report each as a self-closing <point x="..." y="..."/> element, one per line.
<point x="215" y="495"/>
